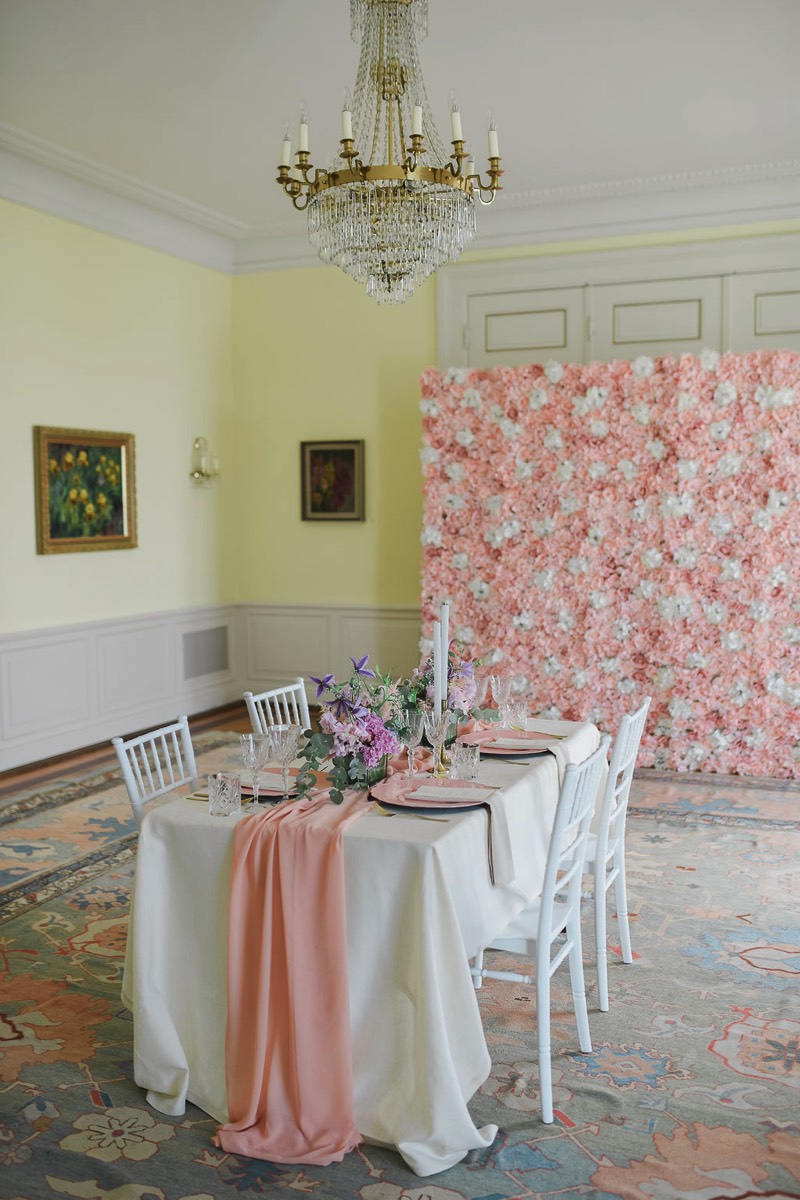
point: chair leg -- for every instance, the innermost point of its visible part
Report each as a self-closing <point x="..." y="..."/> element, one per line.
<point x="478" y="965"/>
<point x="621" y="896"/>
<point x="543" y="1030"/>
<point x="578" y="985"/>
<point x="600" y="937"/>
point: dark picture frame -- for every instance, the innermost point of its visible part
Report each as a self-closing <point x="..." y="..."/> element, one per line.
<point x="332" y="476"/>
<point x="85" y="490"/>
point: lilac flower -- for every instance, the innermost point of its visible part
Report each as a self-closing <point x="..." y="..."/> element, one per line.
<point x="361" y="667"/>
<point x="322" y="684"/>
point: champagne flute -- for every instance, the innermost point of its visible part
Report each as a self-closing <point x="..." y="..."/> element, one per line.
<point x="285" y="743"/>
<point x="255" y="748"/>
<point x="413" y="725"/>
<point x="437" y="726"/>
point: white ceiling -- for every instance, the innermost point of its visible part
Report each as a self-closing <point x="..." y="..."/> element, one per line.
<point x="612" y="114"/>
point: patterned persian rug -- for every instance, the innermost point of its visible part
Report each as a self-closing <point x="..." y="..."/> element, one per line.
<point x="692" y="1089"/>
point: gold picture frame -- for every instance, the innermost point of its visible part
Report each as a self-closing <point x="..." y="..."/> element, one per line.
<point x="332" y="481"/>
<point x="85" y="490"/>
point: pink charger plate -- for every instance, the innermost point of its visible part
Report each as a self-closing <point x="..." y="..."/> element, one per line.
<point x="539" y="742"/>
<point x="397" y="790"/>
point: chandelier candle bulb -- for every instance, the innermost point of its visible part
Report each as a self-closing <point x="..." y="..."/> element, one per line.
<point x="493" y="147"/>
<point x="416" y="124"/>
<point x="286" y="151"/>
<point x="302" y="130"/>
<point x="455" y="120"/>
<point x="347" y="116"/>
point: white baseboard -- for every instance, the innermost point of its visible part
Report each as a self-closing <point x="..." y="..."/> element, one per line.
<point x="65" y="688"/>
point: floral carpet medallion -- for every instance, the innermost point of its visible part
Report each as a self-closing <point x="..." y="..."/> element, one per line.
<point x="690" y="1091"/>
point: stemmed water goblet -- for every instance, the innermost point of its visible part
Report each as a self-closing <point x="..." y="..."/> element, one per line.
<point x="285" y="744"/>
<point x="501" y="691"/>
<point x="413" y="725"/>
<point x="255" y="750"/>
<point x="437" y="727"/>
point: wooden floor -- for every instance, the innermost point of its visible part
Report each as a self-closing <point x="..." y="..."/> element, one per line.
<point x="233" y="717"/>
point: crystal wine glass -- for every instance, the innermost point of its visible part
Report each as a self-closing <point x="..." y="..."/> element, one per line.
<point x="255" y="749"/>
<point x="413" y="725"/>
<point x="437" y="726"/>
<point x="501" y="690"/>
<point x="285" y="744"/>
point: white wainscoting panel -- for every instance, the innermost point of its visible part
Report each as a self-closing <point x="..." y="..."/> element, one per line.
<point x="64" y="689"/>
<point x="665" y="316"/>
<point x="522" y="327"/>
<point x="765" y="311"/>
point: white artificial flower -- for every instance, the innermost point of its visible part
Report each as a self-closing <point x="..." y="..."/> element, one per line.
<point x="695" y="660"/>
<point x="465" y="634"/>
<point x="791" y="634"/>
<point x="425" y="647"/>
<point x="664" y="727"/>
<point x="472" y="399"/>
<point x="762" y="440"/>
<point x="595" y="715"/>
<point x="595" y="535"/>
<point x="740" y="693"/>
<point x="778" y="502"/>
<point x="428" y="407"/>
<point x="570" y="505"/>
<point x="665" y="678"/>
<point x="465" y="437"/>
<point x="760" y="611"/>
<point x="479" y="588"/>
<point x="778" y="576"/>
<point x="598" y="428"/>
<point x="564" y="471"/>
<point x="428" y="455"/>
<point x="622" y="628"/>
<point x="520" y="684"/>
<point x="716" y="612"/>
<point x="763" y="518"/>
<point x="597" y="396"/>
<point x="732" y="640"/>
<point x="730" y="464"/>
<point x="597" y="470"/>
<point x="457" y="374"/>
<point x="454" y="501"/>
<point x="731" y="569"/>
<point x="724" y="394"/>
<point x="694" y="754"/>
<point x="523" y="621"/>
<point x="643" y="366"/>
<point x="674" y="608"/>
<point x="660" y="759"/>
<point x="554" y="371"/>
<point x="578" y="565"/>
<point x="551" y="712"/>
<point x="771" y="398"/>
<point x="657" y="448"/>
<point x="627" y="469"/>
<point x="645" y="589"/>
<point x="680" y="505"/>
<point x="431" y="536"/>
<point x="679" y="707"/>
<point x="720" y="740"/>
<point x="610" y="665"/>
<point x="687" y="468"/>
<point x="550" y="666"/>
<point x="544" y="580"/>
<point x="755" y="738"/>
<point x="497" y="413"/>
<point x="455" y="472"/>
<point x="721" y="524"/>
<point x="719" y="430"/>
<point x="566" y="620"/>
<point x="493" y="657"/>
<point x="523" y="471"/>
<point x="537" y="399"/>
<point x="652" y="558"/>
<point x="509" y="428"/>
<point x="686" y="401"/>
<point x="599" y="600"/>
<point x="580" y="678"/>
<point x="626" y="686"/>
<point x="709" y="360"/>
<point x="494" y="504"/>
<point x="582" y="405"/>
<point x="686" y="557"/>
<point x="552" y="439"/>
<point x="544" y="527"/>
<point x="460" y="561"/>
<point x="642" y="413"/>
<point x="494" y="538"/>
<point x="639" y="510"/>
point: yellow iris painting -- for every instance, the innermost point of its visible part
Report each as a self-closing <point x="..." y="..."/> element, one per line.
<point x="85" y="490"/>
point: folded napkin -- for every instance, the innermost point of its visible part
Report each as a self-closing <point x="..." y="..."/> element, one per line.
<point x="576" y="740"/>
<point x="452" y="795"/>
<point x="520" y="743"/>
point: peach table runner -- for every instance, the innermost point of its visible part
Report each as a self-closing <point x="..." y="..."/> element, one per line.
<point x="288" y="1055"/>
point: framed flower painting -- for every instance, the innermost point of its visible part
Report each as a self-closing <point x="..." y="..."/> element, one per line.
<point x="85" y="490"/>
<point x="332" y="481"/>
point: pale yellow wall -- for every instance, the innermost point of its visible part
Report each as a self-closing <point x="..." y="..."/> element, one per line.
<point x="315" y="359"/>
<point x="99" y="333"/>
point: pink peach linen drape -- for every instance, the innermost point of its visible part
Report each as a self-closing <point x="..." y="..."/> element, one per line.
<point x="288" y="1046"/>
<point x="610" y="531"/>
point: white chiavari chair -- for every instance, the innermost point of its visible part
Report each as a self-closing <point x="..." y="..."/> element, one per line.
<point x="285" y="705"/>
<point x="155" y="763"/>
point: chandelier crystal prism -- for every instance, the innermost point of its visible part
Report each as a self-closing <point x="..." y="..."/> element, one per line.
<point x="392" y="206"/>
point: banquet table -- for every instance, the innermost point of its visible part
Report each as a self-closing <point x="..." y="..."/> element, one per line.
<point x="419" y="903"/>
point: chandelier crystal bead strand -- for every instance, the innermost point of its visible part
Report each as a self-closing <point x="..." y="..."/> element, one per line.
<point x="392" y="206"/>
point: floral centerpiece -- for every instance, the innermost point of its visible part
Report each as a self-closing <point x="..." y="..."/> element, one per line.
<point x="360" y="727"/>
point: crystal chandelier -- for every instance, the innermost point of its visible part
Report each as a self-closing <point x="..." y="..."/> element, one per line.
<point x="392" y="206"/>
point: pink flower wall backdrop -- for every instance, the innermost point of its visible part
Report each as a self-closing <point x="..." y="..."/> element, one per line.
<point x="617" y="530"/>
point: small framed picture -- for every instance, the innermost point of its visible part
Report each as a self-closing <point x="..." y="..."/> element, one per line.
<point x="332" y="481"/>
<point x="85" y="490"/>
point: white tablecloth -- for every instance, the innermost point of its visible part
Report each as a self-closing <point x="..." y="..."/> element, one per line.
<point x="419" y="904"/>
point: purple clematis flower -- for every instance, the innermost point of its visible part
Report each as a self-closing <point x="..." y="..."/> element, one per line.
<point x="361" y="667"/>
<point x="322" y="684"/>
<point x="343" y="706"/>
